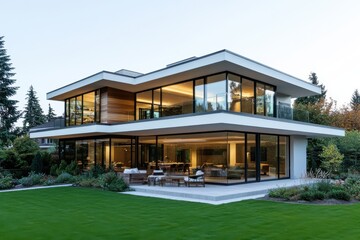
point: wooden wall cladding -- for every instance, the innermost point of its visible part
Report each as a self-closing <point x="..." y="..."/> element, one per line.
<point x="116" y="106"/>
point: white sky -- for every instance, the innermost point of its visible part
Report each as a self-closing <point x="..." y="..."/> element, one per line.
<point x="54" y="43"/>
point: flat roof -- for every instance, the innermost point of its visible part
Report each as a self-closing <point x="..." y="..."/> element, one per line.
<point x="190" y="68"/>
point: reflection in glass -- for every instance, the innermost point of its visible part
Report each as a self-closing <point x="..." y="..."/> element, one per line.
<point x="199" y="96"/>
<point x="260" y="98"/>
<point x="157" y="103"/>
<point x="78" y="110"/>
<point x="269" y="101"/>
<point x="234" y="93"/>
<point x="216" y="92"/>
<point x="247" y="100"/>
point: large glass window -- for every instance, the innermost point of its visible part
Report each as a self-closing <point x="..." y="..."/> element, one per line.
<point x="269" y="101"/>
<point x="251" y="157"/>
<point x="157" y="103"/>
<point x="247" y="100"/>
<point x="216" y="92"/>
<point x="121" y="153"/>
<point x="284" y="158"/>
<point x="177" y="99"/>
<point x="82" y="109"/>
<point x="260" y="99"/>
<point x="236" y="166"/>
<point x="89" y="107"/>
<point x="144" y="105"/>
<point x="234" y="93"/>
<point x="268" y="157"/>
<point x="200" y="95"/>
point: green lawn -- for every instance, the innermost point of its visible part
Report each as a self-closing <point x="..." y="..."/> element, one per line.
<point x="79" y="213"/>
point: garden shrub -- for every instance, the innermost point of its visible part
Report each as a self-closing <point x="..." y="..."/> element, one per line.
<point x="339" y="195"/>
<point x="109" y="181"/>
<point x="72" y="168"/>
<point x="284" y="193"/>
<point x="32" y="179"/>
<point x="65" y="178"/>
<point x="53" y="170"/>
<point x="312" y="195"/>
<point x="96" y="171"/>
<point x="324" y="185"/>
<point x="6" y="181"/>
<point x="61" y="168"/>
<point x="88" y="182"/>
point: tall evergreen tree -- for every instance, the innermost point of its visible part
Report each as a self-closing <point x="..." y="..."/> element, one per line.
<point x="313" y="99"/>
<point x="355" y="100"/>
<point x="8" y="109"/>
<point x="33" y="114"/>
<point x="51" y="114"/>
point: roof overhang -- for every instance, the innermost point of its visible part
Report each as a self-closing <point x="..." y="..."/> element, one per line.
<point x="218" y="121"/>
<point x="213" y="63"/>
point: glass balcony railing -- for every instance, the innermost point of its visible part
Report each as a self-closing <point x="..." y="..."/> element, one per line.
<point x="284" y="111"/>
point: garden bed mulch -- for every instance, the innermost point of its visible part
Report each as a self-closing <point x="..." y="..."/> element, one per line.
<point x="317" y="202"/>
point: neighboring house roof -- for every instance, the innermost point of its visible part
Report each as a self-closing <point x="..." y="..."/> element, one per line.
<point x="190" y="68"/>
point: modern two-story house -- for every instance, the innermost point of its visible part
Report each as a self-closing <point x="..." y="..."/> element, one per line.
<point x="221" y="112"/>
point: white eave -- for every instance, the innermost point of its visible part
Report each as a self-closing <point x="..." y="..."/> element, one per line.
<point x="196" y="67"/>
<point x="217" y="121"/>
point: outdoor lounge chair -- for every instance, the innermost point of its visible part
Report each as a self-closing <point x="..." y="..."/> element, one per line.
<point x="195" y="180"/>
<point x="133" y="175"/>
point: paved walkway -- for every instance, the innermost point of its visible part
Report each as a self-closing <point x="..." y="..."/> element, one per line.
<point x="214" y="194"/>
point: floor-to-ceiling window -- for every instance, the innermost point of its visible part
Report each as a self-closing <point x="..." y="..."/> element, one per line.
<point x="251" y="157"/>
<point x="284" y="157"/>
<point x="200" y="95"/>
<point x="144" y="105"/>
<point x="234" y="93"/>
<point x="247" y="96"/>
<point x="82" y="109"/>
<point x="177" y="99"/>
<point x="216" y="92"/>
<point x="260" y="98"/>
<point x="268" y="157"/>
<point x="223" y="91"/>
<point x="121" y="153"/>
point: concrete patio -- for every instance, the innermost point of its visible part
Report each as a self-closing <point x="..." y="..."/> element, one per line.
<point x="214" y="194"/>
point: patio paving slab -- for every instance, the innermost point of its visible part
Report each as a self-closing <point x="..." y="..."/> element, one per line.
<point x="215" y="194"/>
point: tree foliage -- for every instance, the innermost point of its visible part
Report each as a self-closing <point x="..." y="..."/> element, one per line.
<point x="26" y="148"/>
<point x="310" y="100"/>
<point x="8" y="109"/>
<point x="331" y="159"/>
<point x="51" y="114"/>
<point x="33" y="114"/>
<point x="355" y="100"/>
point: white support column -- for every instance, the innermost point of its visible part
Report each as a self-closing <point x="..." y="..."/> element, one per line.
<point x="298" y="146"/>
